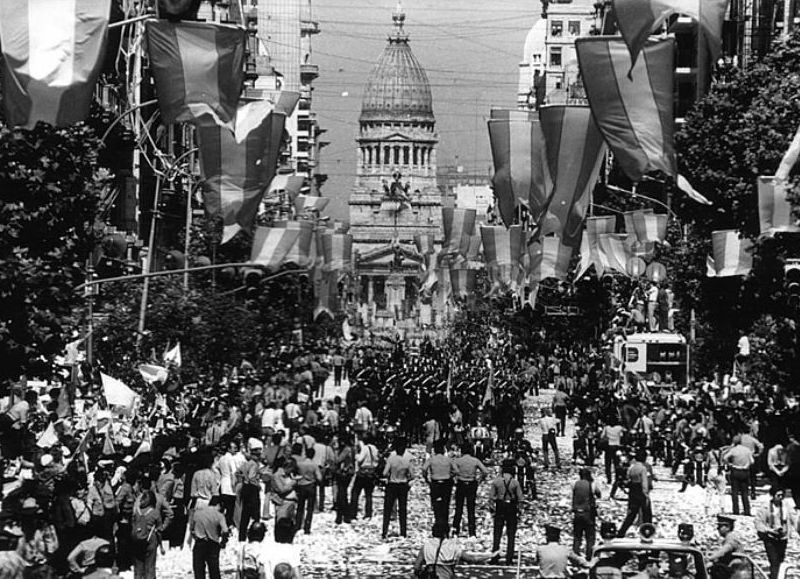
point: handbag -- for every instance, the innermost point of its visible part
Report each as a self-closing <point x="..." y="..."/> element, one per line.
<point x="429" y="570"/>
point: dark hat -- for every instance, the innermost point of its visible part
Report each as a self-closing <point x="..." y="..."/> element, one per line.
<point x="725" y="520"/>
<point x="648" y="559"/>
<point x="509" y="463"/>
<point x="552" y="530"/>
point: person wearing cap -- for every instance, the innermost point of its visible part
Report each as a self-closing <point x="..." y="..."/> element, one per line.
<point x="776" y="522"/>
<point x="549" y="426"/>
<point x="249" y="477"/>
<point x="443" y="553"/>
<point x="584" y="510"/>
<point x="553" y="557"/>
<point x="740" y="459"/>
<point x="438" y="472"/>
<point x="720" y="559"/>
<point x="505" y="496"/>
<point x="469" y="471"/>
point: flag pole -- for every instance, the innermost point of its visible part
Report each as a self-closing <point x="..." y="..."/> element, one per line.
<point x="148" y="267"/>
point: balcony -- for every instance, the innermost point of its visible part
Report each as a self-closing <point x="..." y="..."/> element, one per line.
<point x="308" y="72"/>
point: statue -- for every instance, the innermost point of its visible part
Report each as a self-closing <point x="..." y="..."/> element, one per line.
<point x="397" y="191"/>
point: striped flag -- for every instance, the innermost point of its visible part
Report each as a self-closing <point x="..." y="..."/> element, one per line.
<point x="337" y="251"/>
<point x="238" y="165"/>
<point x="613" y="251"/>
<point x="575" y="150"/>
<point x="590" y="249"/>
<point x="637" y="19"/>
<point x="520" y="176"/>
<point x="732" y="255"/>
<point x="300" y="253"/>
<point x="548" y="258"/>
<point x="52" y="54"/>
<point x="424" y="243"/>
<point x="198" y="68"/>
<point x="457" y="224"/>
<point x="430" y="276"/>
<point x="305" y="203"/>
<point x="462" y="281"/>
<point x="326" y="291"/>
<point x="272" y="244"/>
<point x="774" y="209"/>
<point x="634" y="114"/>
<point x="502" y="246"/>
<point x="645" y="225"/>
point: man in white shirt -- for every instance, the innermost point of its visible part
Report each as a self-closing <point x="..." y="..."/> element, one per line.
<point x="362" y="421"/>
<point x="652" y="302"/>
<point x="228" y="464"/>
<point x="742" y="356"/>
<point x="268" y="417"/>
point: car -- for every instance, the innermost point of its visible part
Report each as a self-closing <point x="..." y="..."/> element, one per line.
<point x="676" y="559"/>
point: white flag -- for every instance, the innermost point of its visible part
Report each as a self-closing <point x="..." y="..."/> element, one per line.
<point x="173" y="356"/>
<point x="117" y="393"/>
<point x="48" y="438"/>
<point x="152" y="373"/>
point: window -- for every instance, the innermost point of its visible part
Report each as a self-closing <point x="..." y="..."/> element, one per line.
<point x="537" y="59"/>
<point x="555" y="56"/>
<point x="574" y="28"/>
<point x="556" y="28"/>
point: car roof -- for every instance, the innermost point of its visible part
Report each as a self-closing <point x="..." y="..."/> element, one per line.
<point x="639" y="545"/>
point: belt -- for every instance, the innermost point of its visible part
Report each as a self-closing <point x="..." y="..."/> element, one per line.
<point x="441" y="481"/>
<point x="740" y="467"/>
<point x="465" y="481"/>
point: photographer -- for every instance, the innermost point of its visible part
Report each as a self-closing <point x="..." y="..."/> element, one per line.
<point x="775" y="522"/>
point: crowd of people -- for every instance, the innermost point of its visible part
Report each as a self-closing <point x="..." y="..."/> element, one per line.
<point x="97" y="487"/>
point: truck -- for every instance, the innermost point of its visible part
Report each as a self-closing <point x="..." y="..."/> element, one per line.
<point x="660" y="359"/>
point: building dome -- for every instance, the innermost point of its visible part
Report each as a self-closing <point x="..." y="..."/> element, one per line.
<point x="397" y="88"/>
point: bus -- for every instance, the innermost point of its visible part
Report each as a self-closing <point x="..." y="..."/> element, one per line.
<point x="658" y="358"/>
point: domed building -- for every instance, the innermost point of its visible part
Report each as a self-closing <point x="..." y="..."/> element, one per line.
<point x="395" y="195"/>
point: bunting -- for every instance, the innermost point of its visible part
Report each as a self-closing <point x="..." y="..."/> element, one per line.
<point x="637" y="19"/>
<point x="613" y="251"/>
<point x="574" y="149"/>
<point x="305" y="203"/>
<point x="238" y="165"/>
<point x="774" y="209"/>
<point x="424" y="243"/>
<point x="301" y="252"/>
<point x="590" y="249"/>
<point x="548" y="258"/>
<point x="430" y="276"/>
<point x="198" y="68"/>
<point x="52" y="55"/>
<point x="503" y="250"/>
<point x="520" y="175"/>
<point x="337" y="251"/>
<point x="326" y="292"/>
<point x="271" y="244"/>
<point x="458" y="224"/>
<point x="462" y="281"/>
<point x="646" y="226"/>
<point x="635" y="114"/>
<point x="732" y="255"/>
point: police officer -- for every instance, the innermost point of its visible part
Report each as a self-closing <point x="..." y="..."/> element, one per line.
<point x="554" y="558"/>
<point x="438" y="472"/>
<point x="469" y="471"/>
<point x="721" y="558"/>
<point x="505" y="495"/>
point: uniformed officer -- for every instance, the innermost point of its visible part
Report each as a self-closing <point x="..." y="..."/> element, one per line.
<point x="505" y="495"/>
<point x="438" y="472"/>
<point x="554" y="558"/>
<point x="721" y="558"/>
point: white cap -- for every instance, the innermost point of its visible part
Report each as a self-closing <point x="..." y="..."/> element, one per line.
<point x="255" y="443"/>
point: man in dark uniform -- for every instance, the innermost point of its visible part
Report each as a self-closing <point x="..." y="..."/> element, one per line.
<point x="553" y="558"/>
<point x="505" y="495"/>
<point x="438" y="472"/>
<point x="721" y="558"/>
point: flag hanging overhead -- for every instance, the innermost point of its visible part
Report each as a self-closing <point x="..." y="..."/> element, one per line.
<point x="774" y="209"/>
<point x="238" y="165"/>
<point x="519" y="164"/>
<point x="590" y="248"/>
<point x="502" y="246"/>
<point x="634" y="114"/>
<point x="304" y="203"/>
<point x="300" y="253"/>
<point x="614" y="252"/>
<point x="337" y="251"/>
<point x="457" y="224"/>
<point x="271" y="244"/>
<point x="198" y="68"/>
<point x="430" y="275"/>
<point x="548" y="258"/>
<point x="326" y="292"/>
<point x="646" y="226"/>
<point x="574" y="149"/>
<point x="637" y="19"/>
<point x="732" y="255"/>
<point x="52" y="54"/>
<point x="424" y="243"/>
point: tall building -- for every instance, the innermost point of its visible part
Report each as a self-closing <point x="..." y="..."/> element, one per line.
<point x="395" y="196"/>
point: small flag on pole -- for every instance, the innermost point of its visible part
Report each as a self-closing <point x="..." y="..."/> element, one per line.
<point x="173" y="357"/>
<point x="117" y="393"/>
<point x="732" y="255"/>
<point x="48" y="438"/>
<point x="52" y="54"/>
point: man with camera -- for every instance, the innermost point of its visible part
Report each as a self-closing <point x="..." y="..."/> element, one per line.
<point x="775" y="521"/>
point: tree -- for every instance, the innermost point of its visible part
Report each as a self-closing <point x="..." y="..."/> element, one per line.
<point x="736" y="133"/>
<point x="49" y="190"/>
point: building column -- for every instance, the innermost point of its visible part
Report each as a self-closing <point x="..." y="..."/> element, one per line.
<point x="370" y="289"/>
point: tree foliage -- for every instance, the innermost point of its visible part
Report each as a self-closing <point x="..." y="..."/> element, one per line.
<point x="48" y="198"/>
<point x="736" y="133"/>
